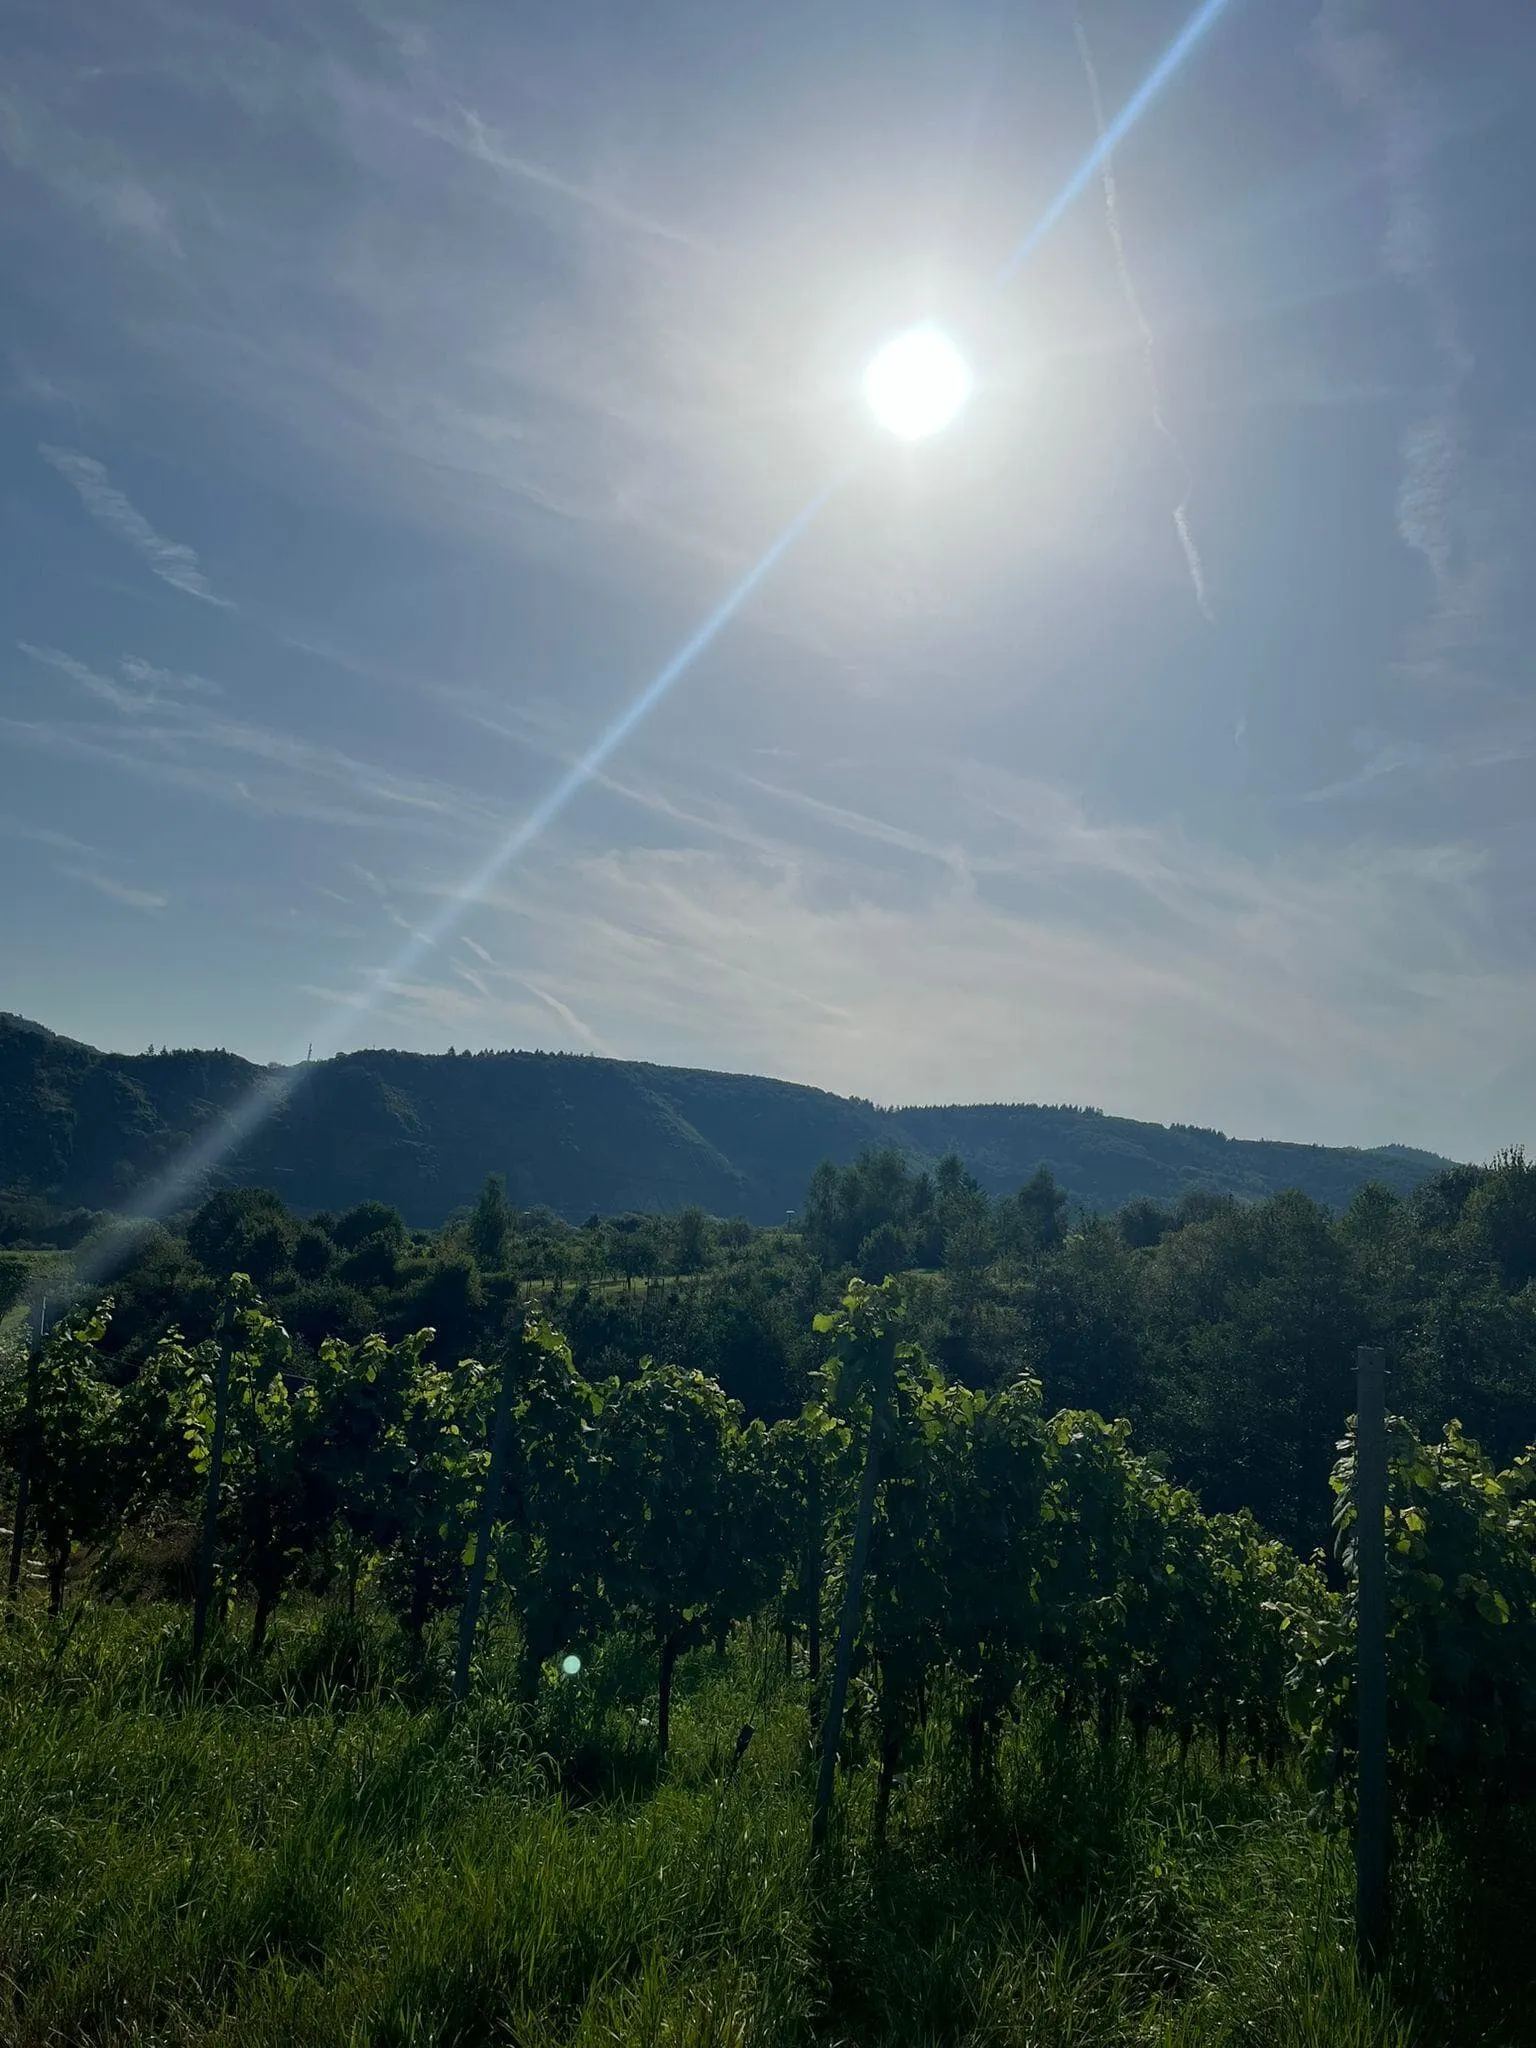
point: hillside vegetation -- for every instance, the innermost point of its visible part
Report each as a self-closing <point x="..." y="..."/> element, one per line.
<point x="82" y="1128"/>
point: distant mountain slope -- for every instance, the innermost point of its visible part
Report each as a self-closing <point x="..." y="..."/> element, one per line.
<point x="421" y="1131"/>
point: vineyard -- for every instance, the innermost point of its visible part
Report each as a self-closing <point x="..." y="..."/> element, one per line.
<point x="913" y="1604"/>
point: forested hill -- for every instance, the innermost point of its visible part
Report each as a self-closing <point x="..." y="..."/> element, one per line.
<point x="422" y="1131"/>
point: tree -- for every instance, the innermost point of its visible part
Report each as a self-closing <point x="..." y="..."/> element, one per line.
<point x="1085" y="1323"/>
<point x="242" y="1230"/>
<point x="1143" y="1223"/>
<point x="1033" y="1221"/>
<point x="842" y="1208"/>
<point x="886" y="1250"/>
<point x="450" y="1296"/>
<point x="313" y="1253"/>
<point x="373" y="1263"/>
<point x="693" y="1240"/>
<point x="1498" y="1221"/>
<point x="490" y="1225"/>
<point x="1254" y="1319"/>
<point x="367" y="1220"/>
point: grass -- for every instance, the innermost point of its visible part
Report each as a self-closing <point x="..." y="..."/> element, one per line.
<point x="608" y="1287"/>
<point x="309" y="1850"/>
<point x="21" y="1271"/>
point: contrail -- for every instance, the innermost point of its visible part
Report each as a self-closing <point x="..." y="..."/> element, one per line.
<point x="279" y="1084"/>
<point x="1202" y="19"/>
<point x="1138" y="313"/>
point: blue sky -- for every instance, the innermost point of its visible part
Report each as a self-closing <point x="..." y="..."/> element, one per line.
<point x="389" y="391"/>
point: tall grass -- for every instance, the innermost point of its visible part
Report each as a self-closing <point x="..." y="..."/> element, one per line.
<point x="310" y="1850"/>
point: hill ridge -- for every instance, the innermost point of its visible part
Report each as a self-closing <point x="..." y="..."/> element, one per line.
<point x="580" y="1132"/>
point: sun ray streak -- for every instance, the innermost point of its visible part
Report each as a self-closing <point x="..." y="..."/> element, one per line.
<point x="1138" y="313"/>
<point x="1111" y="138"/>
<point x="279" y="1084"/>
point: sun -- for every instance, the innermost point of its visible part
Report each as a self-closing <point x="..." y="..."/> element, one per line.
<point x="917" y="383"/>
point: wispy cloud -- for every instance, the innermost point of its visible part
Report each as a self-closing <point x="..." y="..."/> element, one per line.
<point x="464" y="130"/>
<point x="138" y="670"/>
<point x="271" y="775"/>
<point x="45" y="835"/>
<point x="114" y="890"/>
<point x="566" y="1014"/>
<point x="85" y="173"/>
<point x="1060" y="956"/>
<point x="155" y="684"/>
<point x="184" y="742"/>
<point x="1416" y="762"/>
<point x="171" y="560"/>
<point x="105" y="688"/>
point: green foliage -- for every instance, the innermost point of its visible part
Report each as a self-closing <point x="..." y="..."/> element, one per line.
<point x="490" y="1225"/>
<point x="242" y="1230"/>
<point x="58" y="1414"/>
<point x="313" y="1254"/>
<point x="1461" y="1634"/>
<point x="272" y="1512"/>
<point x="1039" y="1593"/>
<point x="693" y="1240"/>
<point x="669" y="1519"/>
<point x="366" y="1221"/>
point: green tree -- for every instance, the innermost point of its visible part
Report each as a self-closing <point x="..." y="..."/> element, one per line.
<point x="368" y="1220"/>
<point x="242" y="1230"/>
<point x="313" y="1254"/>
<point x="843" y="1207"/>
<point x="490" y="1225"/>
<point x="693" y="1240"/>
<point x="1253" y="1319"/>
<point x="1034" y="1220"/>
<point x="1498" y="1222"/>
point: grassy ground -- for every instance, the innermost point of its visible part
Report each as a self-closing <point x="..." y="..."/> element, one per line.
<point x="309" y="1851"/>
<point x="608" y="1288"/>
<point x="24" y="1271"/>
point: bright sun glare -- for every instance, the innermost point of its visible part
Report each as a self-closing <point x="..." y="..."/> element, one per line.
<point x="917" y="383"/>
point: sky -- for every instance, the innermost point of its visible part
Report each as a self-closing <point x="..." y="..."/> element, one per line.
<point x="390" y="393"/>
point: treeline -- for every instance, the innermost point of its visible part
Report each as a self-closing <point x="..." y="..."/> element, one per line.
<point x="1225" y="1333"/>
